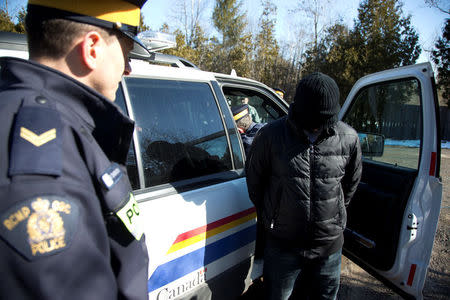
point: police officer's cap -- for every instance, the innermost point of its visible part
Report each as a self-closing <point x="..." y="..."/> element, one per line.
<point x="121" y="15"/>
<point x="279" y="92"/>
<point x="240" y="111"/>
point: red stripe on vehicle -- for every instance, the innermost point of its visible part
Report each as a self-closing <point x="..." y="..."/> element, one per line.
<point x="433" y="163"/>
<point x="213" y="225"/>
<point x="412" y="272"/>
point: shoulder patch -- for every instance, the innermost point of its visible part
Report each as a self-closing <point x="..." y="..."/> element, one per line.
<point x="111" y="176"/>
<point x="36" y="142"/>
<point x="40" y="226"/>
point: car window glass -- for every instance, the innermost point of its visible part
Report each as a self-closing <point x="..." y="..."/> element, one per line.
<point x="262" y="108"/>
<point x="131" y="158"/>
<point x="389" y="112"/>
<point x="181" y="134"/>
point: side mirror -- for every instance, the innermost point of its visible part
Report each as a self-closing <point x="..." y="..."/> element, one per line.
<point x="372" y="145"/>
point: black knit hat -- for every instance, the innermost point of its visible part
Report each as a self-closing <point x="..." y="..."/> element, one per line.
<point x="316" y="102"/>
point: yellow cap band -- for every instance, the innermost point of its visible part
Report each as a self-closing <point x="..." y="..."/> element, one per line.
<point x="280" y="93"/>
<point x="111" y="11"/>
<point x="240" y="115"/>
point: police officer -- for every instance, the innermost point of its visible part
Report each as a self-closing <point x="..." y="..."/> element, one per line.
<point x="69" y="225"/>
<point x="246" y="126"/>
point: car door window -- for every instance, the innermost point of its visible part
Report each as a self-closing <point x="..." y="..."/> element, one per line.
<point x="388" y="119"/>
<point x="262" y="108"/>
<point x="384" y="112"/>
<point x="180" y="131"/>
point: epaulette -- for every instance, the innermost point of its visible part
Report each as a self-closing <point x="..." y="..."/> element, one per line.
<point x="36" y="146"/>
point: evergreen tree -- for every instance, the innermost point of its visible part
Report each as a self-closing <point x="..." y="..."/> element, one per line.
<point x="142" y="25"/>
<point x="441" y="57"/>
<point x="229" y="21"/>
<point x="234" y="49"/>
<point x="20" y="25"/>
<point x="266" y="46"/>
<point x="381" y="39"/>
<point x="385" y="39"/>
<point x="202" y="47"/>
<point x="198" y="53"/>
<point x="164" y="28"/>
<point x="6" y="22"/>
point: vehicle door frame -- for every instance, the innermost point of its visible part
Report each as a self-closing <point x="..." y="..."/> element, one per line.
<point x="423" y="207"/>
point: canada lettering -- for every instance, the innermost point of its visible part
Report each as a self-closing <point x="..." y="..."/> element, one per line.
<point x="171" y="293"/>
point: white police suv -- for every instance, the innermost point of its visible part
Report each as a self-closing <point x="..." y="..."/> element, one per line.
<point x="186" y="167"/>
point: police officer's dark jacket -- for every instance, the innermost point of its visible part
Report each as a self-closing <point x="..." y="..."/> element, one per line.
<point x="301" y="189"/>
<point x="64" y="191"/>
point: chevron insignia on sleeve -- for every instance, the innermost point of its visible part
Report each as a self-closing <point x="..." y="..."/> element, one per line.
<point x="37" y="142"/>
<point x="35" y="139"/>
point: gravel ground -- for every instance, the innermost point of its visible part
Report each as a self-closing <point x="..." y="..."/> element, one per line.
<point x="357" y="284"/>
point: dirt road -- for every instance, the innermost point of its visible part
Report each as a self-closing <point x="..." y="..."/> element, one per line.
<point x="357" y="284"/>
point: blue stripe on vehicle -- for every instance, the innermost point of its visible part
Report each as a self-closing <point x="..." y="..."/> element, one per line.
<point x="194" y="260"/>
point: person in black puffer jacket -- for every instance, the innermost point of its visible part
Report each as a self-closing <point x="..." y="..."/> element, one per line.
<point x="302" y="172"/>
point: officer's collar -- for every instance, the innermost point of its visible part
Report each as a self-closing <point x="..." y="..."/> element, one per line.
<point x="251" y="126"/>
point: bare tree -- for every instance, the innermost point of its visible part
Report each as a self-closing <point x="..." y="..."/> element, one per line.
<point x="313" y="9"/>
<point x="443" y="7"/>
<point x="188" y="13"/>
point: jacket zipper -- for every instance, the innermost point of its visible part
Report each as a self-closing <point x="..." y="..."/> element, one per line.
<point x="277" y="208"/>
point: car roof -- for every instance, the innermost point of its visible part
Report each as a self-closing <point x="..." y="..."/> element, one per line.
<point x="13" y="41"/>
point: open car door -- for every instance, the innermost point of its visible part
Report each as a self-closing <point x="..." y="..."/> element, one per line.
<point x="392" y="218"/>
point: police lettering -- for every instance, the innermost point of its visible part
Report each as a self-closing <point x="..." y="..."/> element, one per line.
<point x="134" y="210"/>
<point x="48" y="245"/>
<point x="17" y="217"/>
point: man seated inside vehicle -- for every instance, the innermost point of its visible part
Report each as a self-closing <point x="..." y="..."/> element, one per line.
<point x="252" y="110"/>
<point x="247" y="128"/>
